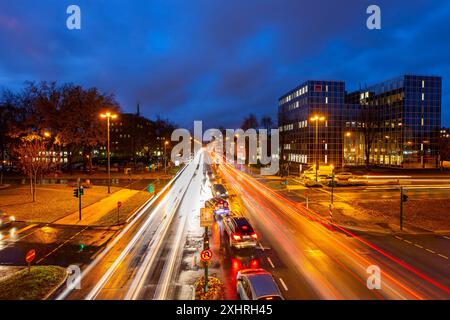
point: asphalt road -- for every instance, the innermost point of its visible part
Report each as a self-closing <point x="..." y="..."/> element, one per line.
<point x="312" y="259"/>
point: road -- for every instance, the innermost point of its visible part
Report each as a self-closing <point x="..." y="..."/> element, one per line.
<point x="312" y="259"/>
<point x="155" y="256"/>
<point x="145" y="258"/>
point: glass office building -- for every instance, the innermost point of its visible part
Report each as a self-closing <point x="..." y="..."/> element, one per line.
<point x="396" y="123"/>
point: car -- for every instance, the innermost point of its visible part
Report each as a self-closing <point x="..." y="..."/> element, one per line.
<point x="6" y="220"/>
<point x="219" y="190"/>
<point x="257" y="284"/>
<point x="240" y="232"/>
<point x="219" y="206"/>
<point x="344" y="176"/>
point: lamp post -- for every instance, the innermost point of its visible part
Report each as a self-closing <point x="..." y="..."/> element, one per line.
<point x="108" y="116"/>
<point x="317" y="118"/>
<point x="165" y="156"/>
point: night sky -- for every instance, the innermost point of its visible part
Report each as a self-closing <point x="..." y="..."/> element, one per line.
<point x="217" y="61"/>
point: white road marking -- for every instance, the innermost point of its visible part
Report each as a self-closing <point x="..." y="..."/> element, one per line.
<point x="283" y="284"/>
<point x="430" y="251"/>
<point x="261" y="246"/>
<point x="418" y="245"/>
<point x="446" y="237"/>
<point x="442" y="256"/>
<point x="271" y="263"/>
<point x="399" y="238"/>
<point x="407" y="241"/>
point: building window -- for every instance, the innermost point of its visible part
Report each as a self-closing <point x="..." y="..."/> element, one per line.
<point x="423" y="96"/>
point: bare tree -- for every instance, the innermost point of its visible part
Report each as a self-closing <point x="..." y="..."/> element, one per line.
<point x="33" y="157"/>
<point x="250" y="122"/>
<point x="267" y="123"/>
<point x="370" y="118"/>
<point x="444" y="150"/>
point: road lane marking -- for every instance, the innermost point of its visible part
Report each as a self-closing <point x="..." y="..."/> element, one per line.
<point x="283" y="284"/>
<point x="442" y="256"/>
<point x="261" y="246"/>
<point x="271" y="263"/>
<point x="399" y="238"/>
<point x="61" y="245"/>
<point x="418" y="245"/>
<point x="446" y="237"/>
<point x="407" y="241"/>
<point x="429" y="250"/>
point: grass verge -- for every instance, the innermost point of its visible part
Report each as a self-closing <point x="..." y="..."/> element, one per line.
<point x="33" y="285"/>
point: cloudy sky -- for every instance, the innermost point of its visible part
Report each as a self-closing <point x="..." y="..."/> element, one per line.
<point x="217" y="60"/>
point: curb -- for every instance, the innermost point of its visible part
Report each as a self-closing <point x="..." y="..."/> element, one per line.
<point x="51" y="293"/>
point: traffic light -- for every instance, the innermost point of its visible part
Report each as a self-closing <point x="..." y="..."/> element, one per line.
<point x="404" y="197"/>
<point x="81" y="192"/>
<point x="150" y="188"/>
<point x="76" y="193"/>
<point x="82" y="246"/>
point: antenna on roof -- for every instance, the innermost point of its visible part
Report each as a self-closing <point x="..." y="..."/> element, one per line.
<point x="138" y="112"/>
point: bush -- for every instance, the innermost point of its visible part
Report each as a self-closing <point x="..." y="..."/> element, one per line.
<point x="215" y="289"/>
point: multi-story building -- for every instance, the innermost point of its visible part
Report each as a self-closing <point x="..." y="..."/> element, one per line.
<point x="395" y="123"/>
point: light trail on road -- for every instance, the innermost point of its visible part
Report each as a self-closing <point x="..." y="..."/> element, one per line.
<point x="274" y="212"/>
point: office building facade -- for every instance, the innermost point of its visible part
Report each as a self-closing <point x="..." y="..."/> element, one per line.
<point x="395" y="123"/>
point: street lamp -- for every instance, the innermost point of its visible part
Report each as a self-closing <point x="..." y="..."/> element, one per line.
<point x="317" y="118"/>
<point x="165" y="156"/>
<point x="108" y="116"/>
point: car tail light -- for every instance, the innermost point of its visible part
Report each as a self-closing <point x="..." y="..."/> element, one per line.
<point x="254" y="235"/>
<point x="236" y="237"/>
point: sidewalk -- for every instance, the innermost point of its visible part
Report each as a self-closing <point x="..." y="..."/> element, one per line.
<point x="96" y="211"/>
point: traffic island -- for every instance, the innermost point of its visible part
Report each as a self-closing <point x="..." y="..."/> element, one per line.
<point x="215" y="289"/>
<point x="34" y="284"/>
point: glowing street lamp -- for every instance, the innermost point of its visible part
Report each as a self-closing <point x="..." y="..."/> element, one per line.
<point x="317" y="118"/>
<point x="165" y="156"/>
<point x="108" y="116"/>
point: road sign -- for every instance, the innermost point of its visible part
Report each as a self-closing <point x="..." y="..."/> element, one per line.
<point x="119" y="204"/>
<point x="29" y="257"/>
<point x="206" y="217"/>
<point x="206" y="255"/>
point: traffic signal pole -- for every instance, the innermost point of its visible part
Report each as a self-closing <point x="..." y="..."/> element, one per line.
<point x="79" y="200"/>
<point x="206" y="247"/>
<point x="403" y="198"/>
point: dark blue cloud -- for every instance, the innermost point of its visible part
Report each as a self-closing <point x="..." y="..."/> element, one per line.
<point x="219" y="60"/>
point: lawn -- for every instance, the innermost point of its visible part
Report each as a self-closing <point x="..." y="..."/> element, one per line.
<point x="430" y="214"/>
<point x="33" y="285"/>
<point x="52" y="202"/>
